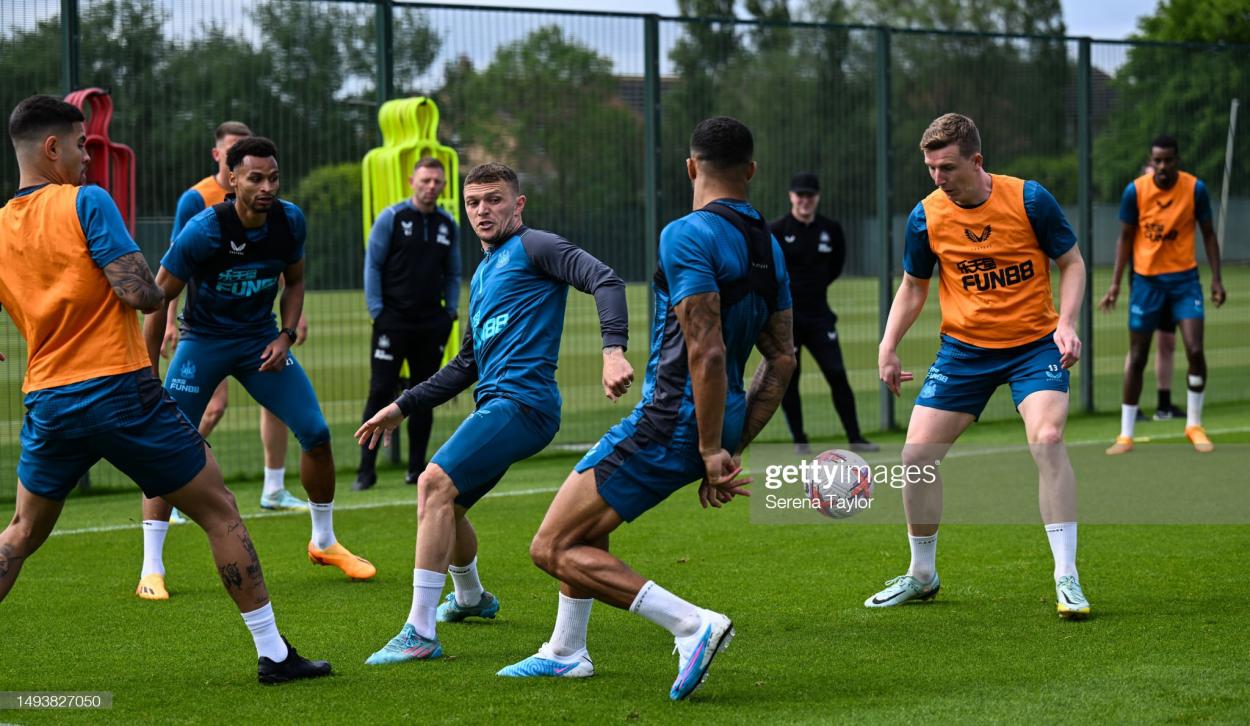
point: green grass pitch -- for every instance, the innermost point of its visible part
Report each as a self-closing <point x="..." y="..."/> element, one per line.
<point x="1168" y="640"/>
<point x="337" y="358"/>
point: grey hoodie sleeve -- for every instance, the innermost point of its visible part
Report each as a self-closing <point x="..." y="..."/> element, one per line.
<point x="569" y="263"/>
<point x="441" y="387"/>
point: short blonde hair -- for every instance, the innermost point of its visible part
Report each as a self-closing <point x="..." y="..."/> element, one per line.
<point x="232" y="128"/>
<point x="952" y="128"/>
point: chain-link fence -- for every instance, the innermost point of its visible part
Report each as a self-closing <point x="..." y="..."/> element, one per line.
<point x="595" y="110"/>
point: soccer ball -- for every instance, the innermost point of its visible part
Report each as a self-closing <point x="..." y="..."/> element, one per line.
<point x="838" y="483"/>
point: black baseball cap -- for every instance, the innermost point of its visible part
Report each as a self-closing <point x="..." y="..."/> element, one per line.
<point x="805" y="182"/>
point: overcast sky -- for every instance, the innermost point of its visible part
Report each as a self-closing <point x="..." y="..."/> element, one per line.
<point x="1112" y="19"/>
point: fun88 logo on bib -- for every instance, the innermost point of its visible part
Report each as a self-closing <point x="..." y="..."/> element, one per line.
<point x="492" y="326"/>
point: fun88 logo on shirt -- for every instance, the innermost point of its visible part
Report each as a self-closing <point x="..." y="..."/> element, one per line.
<point x="492" y="326"/>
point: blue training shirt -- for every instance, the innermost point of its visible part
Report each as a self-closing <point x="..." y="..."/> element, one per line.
<point x="239" y="301"/>
<point x="699" y="253"/>
<point x="516" y="318"/>
<point x="189" y="205"/>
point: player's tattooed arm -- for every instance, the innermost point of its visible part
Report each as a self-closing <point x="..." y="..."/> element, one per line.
<point x="699" y="317"/>
<point x="776" y="345"/>
<point x="156" y="323"/>
<point x="132" y="282"/>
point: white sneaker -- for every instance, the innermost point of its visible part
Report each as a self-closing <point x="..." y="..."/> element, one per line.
<point x="546" y="664"/>
<point x="1070" y="600"/>
<point x="697" y="651"/>
<point x="903" y="588"/>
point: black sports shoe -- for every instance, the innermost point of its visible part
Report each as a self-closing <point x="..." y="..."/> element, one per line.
<point x="293" y="668"/>
<point x="365" y="480"/>
<point x="1169" y="413"/>
<point x="864" y="445"/>
<point x="411" y="477"/>
<point x="1141" y="416"/>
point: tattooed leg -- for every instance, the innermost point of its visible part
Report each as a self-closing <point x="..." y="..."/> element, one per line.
<point x="33" y="519"/>
<point x="207" y="501"/>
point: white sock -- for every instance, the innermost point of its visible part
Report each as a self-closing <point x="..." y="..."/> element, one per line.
<point x="667" y="610"/>
<point x="1193" y="412"/>
<point x="1062" y="538"/>
<point x="322" y="524"/>
<point x="923" y="557"/>
<point x="265" y="634"/>
<point x="275" y="480"/>
<point x="427" y="590"/>
<point x="569" y="635"/>
<point x="468" y="586"/>
<point x="153" y="547"/>
<point x="1128" y="418"/>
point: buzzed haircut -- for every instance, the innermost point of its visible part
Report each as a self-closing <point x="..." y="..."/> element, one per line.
<point x="722" y="142"/>
<point x="429" y="162"/>
<point x="231" y="128"/>
<point x="257" y="146"/>
<point x="493" y="171"/>
<point x="37" y="117"/>
<point x="1166" y="141"/>
<point x="952" y="128"/>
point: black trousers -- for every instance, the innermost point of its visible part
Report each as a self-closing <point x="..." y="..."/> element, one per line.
<point x="421" y="345"/>
<point x="818" y="332"/>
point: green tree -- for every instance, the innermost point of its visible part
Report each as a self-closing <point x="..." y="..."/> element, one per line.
<point x="1014" y="88"/>
<point x="29" y="64"/>
<point x="549" y="107"/>
<point x="301" y="73"/>
<point x="805" y="92"/>
<point x="1182" y="90"/>
<point x="330" y="198"/>
<point x="1040" y="17"/>
<point x="1198" y="21"/>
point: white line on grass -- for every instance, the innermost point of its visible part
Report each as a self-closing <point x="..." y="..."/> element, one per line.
<point x="551" y="490"/>
<point x="288" y="513"/>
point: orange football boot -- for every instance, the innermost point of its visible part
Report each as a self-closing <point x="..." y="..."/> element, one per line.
<point x="1122" y="445"/>
<point x="336" y="555"/>
<point x="152" y="587"/>
<point x="1198" y="437"/>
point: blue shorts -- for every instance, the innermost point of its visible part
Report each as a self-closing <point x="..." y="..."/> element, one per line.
<point x="965" y="376"/>
<point x="127" y="419"/>
<point x="1153" y="298"/>
<point x="497" y="435"/>
<point x="634" y="472"/>
<point x="200" y="364"/>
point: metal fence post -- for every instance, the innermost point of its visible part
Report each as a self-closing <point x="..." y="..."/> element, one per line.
<point x="70" y="42"/>
<point x="385" y="50"/>
<point x="885" y="276"/>
<point x="651" y="136"/>
<point x="69" y="45"/>
<point x="385" y="20"/>
<point x="1085" y="218"/>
